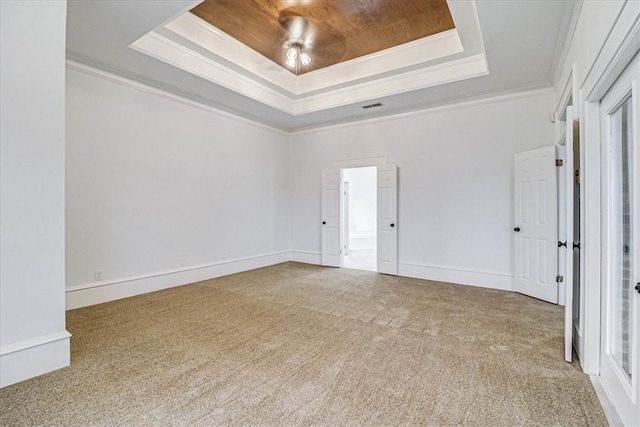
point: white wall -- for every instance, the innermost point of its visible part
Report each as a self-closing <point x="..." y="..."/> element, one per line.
<point x="33" y="339"/>
<point x="455" y="183"/>
<point x="161" y="193"/>
<point x="362" y="207"/>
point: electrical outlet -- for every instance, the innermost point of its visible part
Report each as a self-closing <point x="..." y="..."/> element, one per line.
<point x="424" y="259"/>
<point x="98" y="275"/>
<point x="225" y="255"/>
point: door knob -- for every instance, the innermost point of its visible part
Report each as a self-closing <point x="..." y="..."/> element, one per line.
<point x="324" y="222"/>
<point x="638" y="287"/>
<point x="393" y="225"/>
<point x="516" y="229"/>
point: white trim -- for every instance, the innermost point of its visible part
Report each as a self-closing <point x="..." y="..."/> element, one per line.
<point x="27" y="344"/>
<point x="621" y="45"/>
<point x="448" y="72"/>
<point x="123" y="81"/>
<point x="306" y="257"/>
<point x="104" y="291"/>
<point x="605" y="401"/>
<point x="560" y="57"/>
<point x="483" y="279"/>
<point x="30" y="358"/>
<point x="195" y="46"/>
<point x="220" y="45"/>
<point x="406" y="55"/>
<point x="361" y="162"/>
<point x="92" y="70"/>
<point x="164" y="49"/>
<point x="468" y="103"/>
<point x="562" y="101"/>
<point x="459" y="276"/>
<point x="590" y="235"/>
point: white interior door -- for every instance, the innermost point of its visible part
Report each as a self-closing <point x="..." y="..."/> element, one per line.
<point x="535" y="224"/>
<point x="388" y="219"/>
<point x="331" y="227"/>
<point x="567" y="251"/>
<point x="620" y="317"/>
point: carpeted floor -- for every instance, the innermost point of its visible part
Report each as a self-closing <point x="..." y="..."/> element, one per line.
<point x="295" y="344"/>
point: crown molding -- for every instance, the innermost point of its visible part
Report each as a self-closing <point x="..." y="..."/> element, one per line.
<point x="178" y="55"/>
<point x="92" y="70"/>
<point x="562" y="51"/>
<point x="448" y="72"/>
<point x="77" y="65"/>
<point x="418" y="110"/>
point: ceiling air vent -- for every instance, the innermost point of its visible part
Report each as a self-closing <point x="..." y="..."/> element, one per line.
<point x="376" y="105"/>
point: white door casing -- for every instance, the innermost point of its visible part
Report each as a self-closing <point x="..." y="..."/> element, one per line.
<point x="535" y="224"/>
<point x="620" y="303"/>
<point x="567" y="250"/>
<point x="331" y="218"/>
<point x="387" y="219"/>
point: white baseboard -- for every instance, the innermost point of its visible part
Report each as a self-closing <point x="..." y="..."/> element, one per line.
<point x="306" y="257"/>
<point x="605" y="401"/>
<point x="105" y="291"/>
<point x="481" y="279"/>
<point x="28" y="359"/>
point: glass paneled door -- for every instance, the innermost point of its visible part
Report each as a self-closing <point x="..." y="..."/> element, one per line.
<point x="621" y="260"/>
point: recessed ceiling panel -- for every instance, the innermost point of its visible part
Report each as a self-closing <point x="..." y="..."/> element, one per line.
<point x="331" y="31"/>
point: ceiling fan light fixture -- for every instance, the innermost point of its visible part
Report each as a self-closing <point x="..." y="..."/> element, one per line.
<point x="291" y="62"/>
<point x="292" y="54"/>
<point x="305" y="59"/>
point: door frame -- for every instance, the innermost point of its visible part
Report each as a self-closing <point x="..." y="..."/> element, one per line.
<point x="610" y="374"/>
<point x="376" y="162"/>
<point x="616" y="53"/>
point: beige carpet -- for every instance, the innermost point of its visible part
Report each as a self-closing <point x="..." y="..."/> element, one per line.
<point x="295" y="344"/>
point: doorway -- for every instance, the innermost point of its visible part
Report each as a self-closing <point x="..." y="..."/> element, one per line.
<point x="385" y="211"/>
<point x="359" y="218"/>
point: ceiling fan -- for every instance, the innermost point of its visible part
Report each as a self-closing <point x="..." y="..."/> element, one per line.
<point x="308" y="36"/>
<point x="298" y="42"/>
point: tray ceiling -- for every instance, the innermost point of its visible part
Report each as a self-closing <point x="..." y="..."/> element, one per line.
<point x="194" y="45"/>
<point x="337" y="31"/>
<point x="160" y="44"/>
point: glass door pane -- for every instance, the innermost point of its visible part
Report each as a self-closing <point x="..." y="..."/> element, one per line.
<point x="621" y="238"/>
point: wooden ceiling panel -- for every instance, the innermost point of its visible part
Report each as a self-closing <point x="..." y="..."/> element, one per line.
<point x="338" y="30"/>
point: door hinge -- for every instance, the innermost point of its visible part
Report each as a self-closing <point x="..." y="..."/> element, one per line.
<point x="559" y="162"/>
<point x="559" y="279"/>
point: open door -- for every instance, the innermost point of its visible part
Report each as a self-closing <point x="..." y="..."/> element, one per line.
<point x="331" y="208"/>
<point x="567" y="249"/>
<point x="387" y="219"/>
<point x="535" y="224"/>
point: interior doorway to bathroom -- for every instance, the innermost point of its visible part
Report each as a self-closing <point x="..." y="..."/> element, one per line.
<point x="360" y="219"/>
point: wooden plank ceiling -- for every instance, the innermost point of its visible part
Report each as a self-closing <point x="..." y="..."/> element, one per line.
<point x="337" y="31"/>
